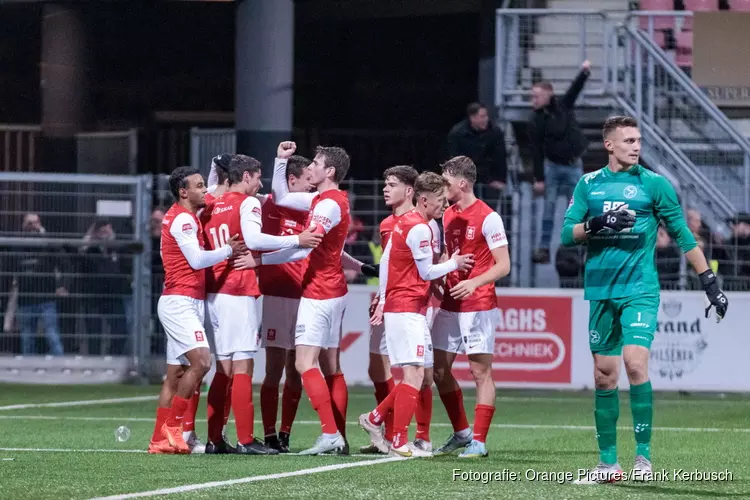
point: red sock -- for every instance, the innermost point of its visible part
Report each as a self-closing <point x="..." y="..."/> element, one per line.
<point x="289" y="404"/>
<point x="403" y="412"/>
<point x="161" y="417"/>
<point x="382" y="389"/>
<point x="217" y="396"/>
<point x="379" y="414"/>
<point x="177" y="413"/>
<point x="424" y="413"/>
<point x="228" y="402"/>
<point x="482" y="419"/>
<point x="189" y="423"/>
<point x="242" y="405"/>
<point x="269" y="407"/>
<point x="454" y="406"/>
<point x="320" y="399"/>
<point x="340" y="399"/>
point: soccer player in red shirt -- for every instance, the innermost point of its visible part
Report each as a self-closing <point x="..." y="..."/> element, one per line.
<point x="468" y="316"/>
<point x="281" y="287"/>
<point x="411" y="268"/>
<point x="231" y="300"/>
<point x="398" y="193"/>
<point x="324" y="288"/>
<point x="181" y="306"/>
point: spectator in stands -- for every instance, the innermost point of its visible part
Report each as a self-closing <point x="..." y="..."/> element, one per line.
<point x="667" y="256"/>
<point x="557" y="144"/>
<point x="108" y="285"/>
<point x="158" y="340"/>
<point x="37" y="281"/>
<point x="737" y="262"/>
<point x="482" y="141"/>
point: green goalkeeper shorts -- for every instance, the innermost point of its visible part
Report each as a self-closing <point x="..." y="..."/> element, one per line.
<point x="614" y="323"/>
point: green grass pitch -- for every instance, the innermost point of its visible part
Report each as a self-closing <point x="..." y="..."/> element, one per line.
<point x="535" y="436"/>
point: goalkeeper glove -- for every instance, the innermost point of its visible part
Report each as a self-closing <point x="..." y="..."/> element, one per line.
<point x="714" y="296"/>
<point x="371" y="271"/>
<point x="615" y="220"/>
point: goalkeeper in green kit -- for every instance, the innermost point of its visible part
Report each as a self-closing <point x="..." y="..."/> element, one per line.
<point x="616" y="212"/>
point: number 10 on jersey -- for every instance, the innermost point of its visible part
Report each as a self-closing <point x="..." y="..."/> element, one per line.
<point x="221" y="239"/>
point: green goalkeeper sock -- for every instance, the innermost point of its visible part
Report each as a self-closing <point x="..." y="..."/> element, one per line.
<point x="606" y="413"/>
<point x="641" y="404"/>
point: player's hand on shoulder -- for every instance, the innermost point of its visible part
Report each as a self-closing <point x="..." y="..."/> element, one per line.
<point x="246" y="261"/>
<point x="286" y="149"/>
<point x="309" y="239"/>
<point x="463" y="289"/>
<point x="464" y="262"/>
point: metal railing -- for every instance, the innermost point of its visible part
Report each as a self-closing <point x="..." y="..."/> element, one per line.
<point x="550" y="45"/>
<point x="75" y="278"/>
<point x="18" y="147"/>
<point x="664" y="94"/>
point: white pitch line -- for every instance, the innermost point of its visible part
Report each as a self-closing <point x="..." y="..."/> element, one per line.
<point x="67" y="450"/>
<point x="87" y="402"/>
<point x="250" y="479"/>
<point x="741" y="430"/>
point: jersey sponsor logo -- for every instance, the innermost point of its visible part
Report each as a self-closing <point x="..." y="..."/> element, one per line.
<point x="612" y="205"/>
<point x="470" y="233"/>
<point x="322" y="219"/>
<point x="256" y="211"/>
<point x="495" y="237"/>
<point x="420" y="351"/>
<point x="424" y="244"/>
<point x="221" y="210"/>
<point x="630" y="191"/>
<point x="640" y="324"/>
<point x="594" y="337"/>
<point x="589" y="177"/>
<point x="187" y="228"/>
<point x="290" y="223"/>
<point x="598" y="193"/>
<point x="271" y="334"/>
<point x="199" y="336"/>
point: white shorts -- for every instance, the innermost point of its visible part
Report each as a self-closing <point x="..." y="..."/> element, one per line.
<point x="465" y="332"/>
<point x="377" y="340"/>
<point x="408" y="339"/>
<point x="319" y="322"/>
<point x="182" y="319"/>
<point x="430" y="316"/>
<point x="234" y="319"/>
<point x="279" y="320"/>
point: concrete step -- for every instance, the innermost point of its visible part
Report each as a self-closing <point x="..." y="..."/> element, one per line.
<point x="614" y="5"/>
<point x="569" y="23"/>
<point x="557" y="57"/>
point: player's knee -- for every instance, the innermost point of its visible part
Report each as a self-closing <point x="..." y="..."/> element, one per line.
<point x="605" y="379"/>
<point x="440" y="376"/>
<point x="481" y="373"/>
<point x="637" y="369"/>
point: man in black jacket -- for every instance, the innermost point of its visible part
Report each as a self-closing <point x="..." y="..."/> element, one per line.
<point x="557" y="144"/>
<point x="482" y="141"/>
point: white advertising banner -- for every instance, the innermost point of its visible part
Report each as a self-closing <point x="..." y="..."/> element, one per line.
<point x="542" y="342"/>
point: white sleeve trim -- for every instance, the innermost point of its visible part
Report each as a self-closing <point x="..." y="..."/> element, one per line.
<point x="185" y="232"/>
<point x="281" y="195"/>
<point x="252" y="223"/>
<point x="493" y="230"/>
<point x="419" y="240"/>
<point x="383" y="274"/>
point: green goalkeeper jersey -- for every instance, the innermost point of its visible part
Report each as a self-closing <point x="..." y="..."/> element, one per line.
<point x="622" y="264"/>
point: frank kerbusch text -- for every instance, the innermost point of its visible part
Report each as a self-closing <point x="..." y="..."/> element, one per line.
<point x="663" y="475"/>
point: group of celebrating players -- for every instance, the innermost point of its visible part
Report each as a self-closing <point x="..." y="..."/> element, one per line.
<point x="436" y="298"/>
<point x="226" y="248"/>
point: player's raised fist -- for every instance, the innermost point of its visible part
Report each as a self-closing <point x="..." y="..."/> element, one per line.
<point x="586" y="65"/>
<point x="309" y="239"/>
<point x="463" y="262"/>
<point x="286" y="149"/>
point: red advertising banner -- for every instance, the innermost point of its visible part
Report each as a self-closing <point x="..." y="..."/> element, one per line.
<point x="533" y="341"/>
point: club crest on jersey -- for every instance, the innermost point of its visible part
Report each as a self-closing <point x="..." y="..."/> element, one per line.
<point x="271" y="334"/>
<point x="630" y="191"/>
<point x="187" y="228"/>
<point x="199" y="336"/>
<point x="470" y="233"/>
